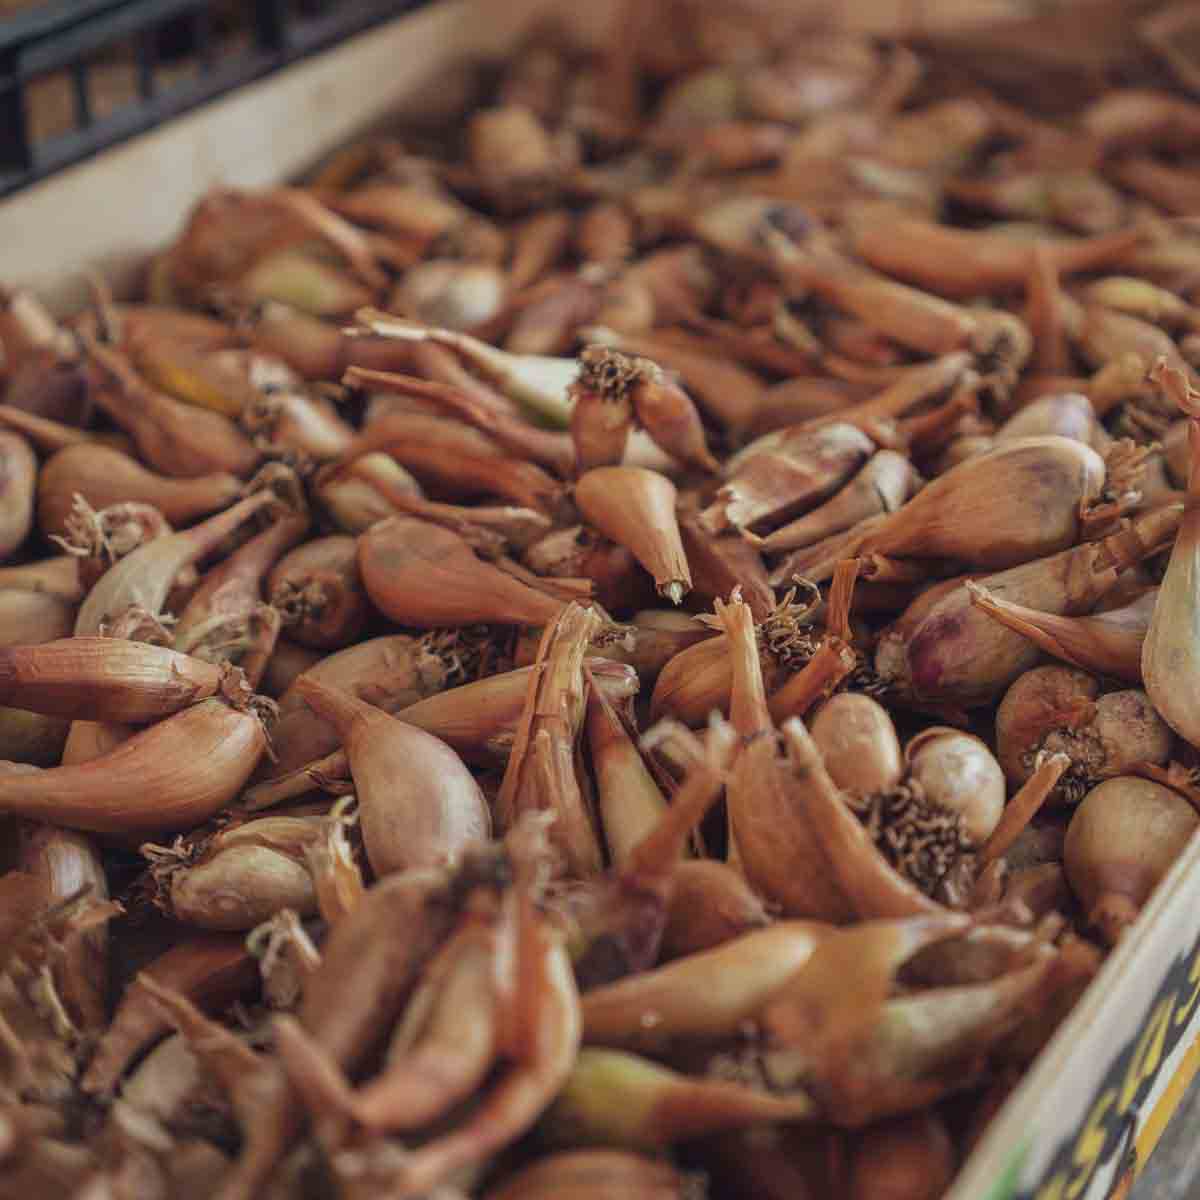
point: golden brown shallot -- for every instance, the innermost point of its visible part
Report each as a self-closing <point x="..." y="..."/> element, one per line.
<point x="422" y="575"/>
<point x="1123" y="838"/>
<point x="103" y="678"/>
<point x="417" y="803"/>
<point x="171" y="776"/>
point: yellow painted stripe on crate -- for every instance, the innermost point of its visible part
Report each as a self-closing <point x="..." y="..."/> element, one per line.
<point x="1161" y="1114"/>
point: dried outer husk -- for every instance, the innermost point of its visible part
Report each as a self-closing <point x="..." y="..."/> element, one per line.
<point x="46" y="399"/>
<point x="478" y="720"/>
<point x="363" y="983"/>
<point x="539" y="1065"/>
<point x="854" y="865"/>
<point x="104" y="477"/>
<point x="794" y="401"/>
<point x="949" y="651"/>
<point x="1108" y="643"/>
<point x="886" y="481"/>
<point x="1022" y="500"/>
<point x="97" y="540"/>
<point x="167" y="1081"/>
<point x="543" y="772"/>
<point x="833" y="658"/>
<point x="1170" y="646"/>
<point x="240" y="877"/>
<point x="333" y="863"/>
<point x="778" y="848"/>
<point x="635" y="507"/>
<point x="696" y="681"/>
<point x="315" y="349"/>
<point x="418" y="805"/>
<point x="535" y="993"/>
<point x="786" y="472"/>
<point x="104" y="678"/>
<point x="225" y="620"/>
<point x="145" y="576"/>
<point x="422" y="575"/>
<point x="617" y="924"/>
<point x="380" y="488"/>
<point x="966" y="1023"/>
<point x="173" y="775"/>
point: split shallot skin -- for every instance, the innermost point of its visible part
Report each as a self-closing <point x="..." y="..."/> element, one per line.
<point x="720" y="546"/>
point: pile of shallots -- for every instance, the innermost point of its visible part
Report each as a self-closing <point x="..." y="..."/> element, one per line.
<point x="654" y="647"/>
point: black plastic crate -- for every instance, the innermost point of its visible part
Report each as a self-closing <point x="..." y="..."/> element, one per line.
<point x="169" y="55"/>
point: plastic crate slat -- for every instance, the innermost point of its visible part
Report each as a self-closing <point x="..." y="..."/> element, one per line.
<point x="66" y="34"/>
<point x="107" y="29"/>
<point x="49" y="20"/>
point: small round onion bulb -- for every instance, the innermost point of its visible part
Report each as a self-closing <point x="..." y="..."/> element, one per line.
<point x="1122" y="840"/>
<point x="959" y="773"/>
<point x="1059" y="709"/>
<point x="241" y="887"/>
<point x="858" y="742"/>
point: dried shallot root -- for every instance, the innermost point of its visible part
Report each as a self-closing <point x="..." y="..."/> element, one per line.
<point x="640" y="646"/>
